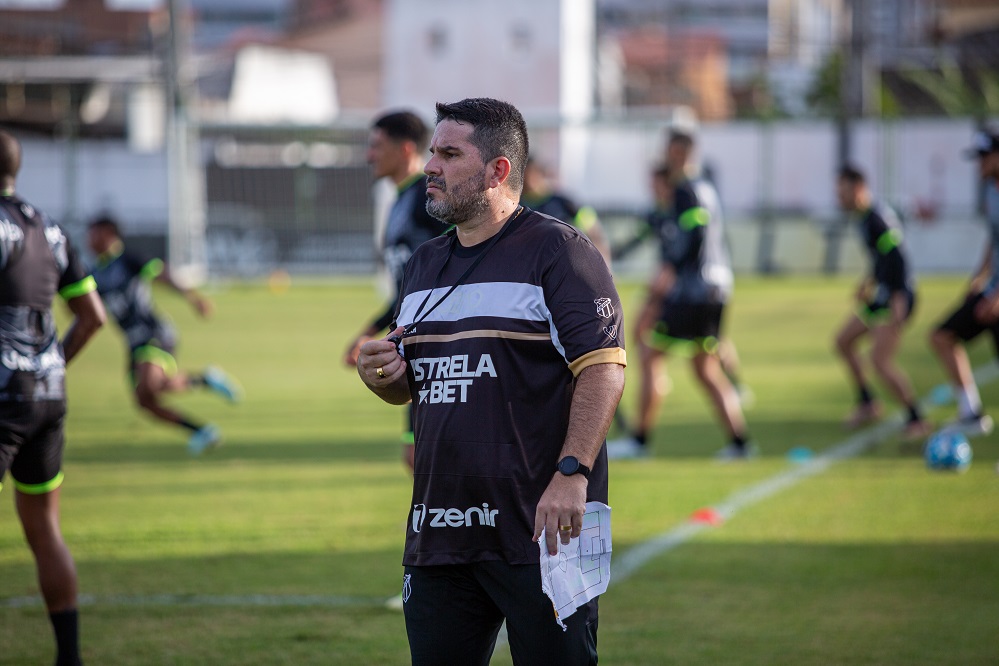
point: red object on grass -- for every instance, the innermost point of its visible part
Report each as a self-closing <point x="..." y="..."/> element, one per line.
<point x="707" y="516"/>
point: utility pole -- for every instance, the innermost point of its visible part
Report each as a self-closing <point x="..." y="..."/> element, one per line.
<point x="186" y="228"/>
<point x="850" y="106"/>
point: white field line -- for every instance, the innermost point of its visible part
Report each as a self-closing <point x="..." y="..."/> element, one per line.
<point x="203" y="600"/>
<point x="633" y="559"/>
<point x="623" y="567"/>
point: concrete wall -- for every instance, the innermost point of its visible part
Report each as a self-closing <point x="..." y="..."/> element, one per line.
<point x="786" y="167"/>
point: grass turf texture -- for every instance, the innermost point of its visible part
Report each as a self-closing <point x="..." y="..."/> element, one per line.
<point x="876" y="561"/>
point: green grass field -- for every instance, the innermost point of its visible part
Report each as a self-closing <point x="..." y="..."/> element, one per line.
<point x="280" y="547"/>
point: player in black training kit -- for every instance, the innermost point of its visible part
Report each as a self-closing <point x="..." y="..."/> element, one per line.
<point x="37" y="262"/>
<point x="539" y="195"/>
<point x="395" y="151"/>
<point x="124" y="281"/>
<point x="885" y="298"/>
<point x="510" y="331"/>
<point x="683" y="313"/>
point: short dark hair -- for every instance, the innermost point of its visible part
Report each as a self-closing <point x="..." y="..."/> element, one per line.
<point x="404" y="126"/>
<point x="10" y="155"/>
<point x="851" y="174"/>
<point x="498" y="130"/>
<point x="105" y="221"/>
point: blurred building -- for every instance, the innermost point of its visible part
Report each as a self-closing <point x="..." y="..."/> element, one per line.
<point x="770" y="47"/>
<point x="662" y="69"/>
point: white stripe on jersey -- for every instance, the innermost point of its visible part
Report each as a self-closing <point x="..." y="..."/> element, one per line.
<point x="508" y="300"/>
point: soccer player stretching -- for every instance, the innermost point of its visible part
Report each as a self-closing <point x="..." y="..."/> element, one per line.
<point x="885" y="298"/>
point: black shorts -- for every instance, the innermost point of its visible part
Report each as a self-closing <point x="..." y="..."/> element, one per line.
<point x="691" y="327"/>
<point x="31" y="444"/>
<point x="878" y="310"/>
<point x="453" y="615"/>
<point x="965" y="326"/>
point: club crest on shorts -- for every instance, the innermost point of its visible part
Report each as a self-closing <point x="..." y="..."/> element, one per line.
<point x="604" y="307"/>
<point x="407" y="587"/>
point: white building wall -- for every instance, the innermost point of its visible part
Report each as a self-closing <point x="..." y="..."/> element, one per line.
<point x="535" y="54"/>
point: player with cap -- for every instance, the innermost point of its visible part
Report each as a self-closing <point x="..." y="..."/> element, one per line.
<point x="980" y="310"/>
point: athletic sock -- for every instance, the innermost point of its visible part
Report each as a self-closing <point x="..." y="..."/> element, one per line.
<point x="739" y="441"/>
<point x="67" y="635"/>
<point x="196" y="381"/>
<point x="914" y="414"/>
<point x="189" y="425"/>
<point x="864" y="395"/>
<point x="969" y="403"/>
<point x="642" y="438"/>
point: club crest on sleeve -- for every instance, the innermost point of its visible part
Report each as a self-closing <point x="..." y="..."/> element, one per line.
<point x="611" y="331"/>
<point x="605" y="307"/>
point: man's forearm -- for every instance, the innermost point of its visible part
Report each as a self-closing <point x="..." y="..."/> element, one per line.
<point x="594" y="400"/>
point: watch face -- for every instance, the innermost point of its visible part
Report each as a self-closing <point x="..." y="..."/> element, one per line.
<point x="568" y="465"/>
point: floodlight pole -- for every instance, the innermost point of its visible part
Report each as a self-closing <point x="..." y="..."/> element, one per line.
<point x="850" y="106"/>
<point x="186" y="227"/>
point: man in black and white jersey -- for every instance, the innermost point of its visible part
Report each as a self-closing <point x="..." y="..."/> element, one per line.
<point x="124" y="281"/>
<point x="683" y="313"/>
<point x="396" y="145"/>
<point x="37" y="262"/>
<point x="885" y="300"/>
<point x="511" y="341"/>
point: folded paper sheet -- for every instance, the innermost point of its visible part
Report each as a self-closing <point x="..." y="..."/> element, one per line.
<point x="581" y="569"/>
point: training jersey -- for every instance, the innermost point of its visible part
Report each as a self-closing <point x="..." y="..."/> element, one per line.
<point x="491" y="371"/>
<point x="881" y="233"/>
<point x="992" y="222"/>
<point x="409" y="225"/>
<point x="124" y="281"/>
<point x="36" y="262"/>
<point x="693" y="244"/>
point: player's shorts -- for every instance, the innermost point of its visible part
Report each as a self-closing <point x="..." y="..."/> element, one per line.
<point x="877" y="311"/>
<point x="453" y="615"/>
<point x="965" y="326"/>
<point x="688" y="328"/>
<point x="31" y="444"/>
<point x="158" y="351"/>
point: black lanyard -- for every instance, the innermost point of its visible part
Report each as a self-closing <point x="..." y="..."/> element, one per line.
<point x="461" y="280"/>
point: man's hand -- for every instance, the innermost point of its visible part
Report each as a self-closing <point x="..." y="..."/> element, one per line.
<point x="354" y="350"/>
<point x="563" y="503"/>
<point x="899" y="306"/>
<point x="203" y="306"/>
<point x="863" y="292"/>
<point x="383" y="370"/>
<point x="987" y="309"/>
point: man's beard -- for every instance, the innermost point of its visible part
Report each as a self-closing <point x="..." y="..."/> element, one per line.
<point x="467" y="199"/>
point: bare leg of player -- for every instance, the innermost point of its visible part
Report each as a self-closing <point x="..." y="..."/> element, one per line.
<point x="886" y="339"/>
<point x="847" y="340"/>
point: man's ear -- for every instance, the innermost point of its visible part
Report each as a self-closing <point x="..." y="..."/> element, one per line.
<point x="497" y="171"/>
